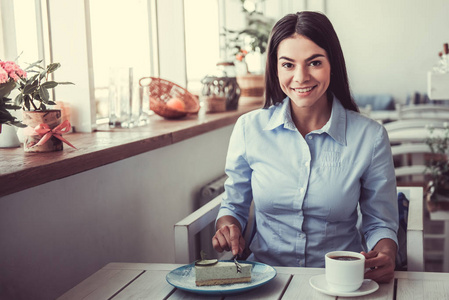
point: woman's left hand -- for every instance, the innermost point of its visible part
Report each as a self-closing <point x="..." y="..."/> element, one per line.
<point x="381" y="261"/>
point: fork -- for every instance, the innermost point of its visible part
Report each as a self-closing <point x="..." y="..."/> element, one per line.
<point x="237" y="265"/>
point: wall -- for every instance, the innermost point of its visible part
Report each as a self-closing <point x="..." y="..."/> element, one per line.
<point x="55" y="235"/>
<point x="390" y="45"/>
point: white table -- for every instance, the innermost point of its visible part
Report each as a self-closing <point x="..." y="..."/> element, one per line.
<point x="147" y="281"/>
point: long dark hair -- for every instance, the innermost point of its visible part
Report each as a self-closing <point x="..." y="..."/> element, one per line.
<point x="316" y="27"/>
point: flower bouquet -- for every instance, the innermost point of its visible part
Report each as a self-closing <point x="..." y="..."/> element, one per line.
<point x="44" y="131"/>
<point x="10" y="74"/>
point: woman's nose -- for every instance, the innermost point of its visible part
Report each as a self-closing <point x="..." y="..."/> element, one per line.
<point x="301" y="75"/>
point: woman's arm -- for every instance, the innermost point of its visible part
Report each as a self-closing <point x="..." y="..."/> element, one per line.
<point x="237" y="198"/>
<point x="378" y="204"/>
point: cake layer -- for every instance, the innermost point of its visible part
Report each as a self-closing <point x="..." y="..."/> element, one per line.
<point x="222" y="281"/>
<point x="222" y="273"/>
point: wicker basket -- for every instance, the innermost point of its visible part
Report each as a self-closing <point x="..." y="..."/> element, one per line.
<point x="161" y="90"/>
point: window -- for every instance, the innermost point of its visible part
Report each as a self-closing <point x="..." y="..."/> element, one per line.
<point x="202" y="40"/>
<point x="120" y="38"/>
<point x="176" y="39"/>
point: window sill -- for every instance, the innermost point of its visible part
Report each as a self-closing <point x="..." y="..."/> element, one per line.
<point x="20" y="170"/>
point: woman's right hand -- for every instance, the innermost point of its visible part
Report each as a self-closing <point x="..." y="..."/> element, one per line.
<point x="228" y="236"/>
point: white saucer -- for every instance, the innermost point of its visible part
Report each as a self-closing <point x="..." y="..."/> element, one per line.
<point x="319" y="283"/>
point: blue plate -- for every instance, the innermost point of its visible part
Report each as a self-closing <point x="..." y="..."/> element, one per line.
<point x="184" y="278"/>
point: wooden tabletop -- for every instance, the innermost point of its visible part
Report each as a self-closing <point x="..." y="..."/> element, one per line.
<point x="20" y="170"/>
<point x="147" y="281"/>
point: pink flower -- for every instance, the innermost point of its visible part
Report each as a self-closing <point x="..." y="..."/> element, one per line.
<point x="11" y="70"/>
<point x="3" y="76"/>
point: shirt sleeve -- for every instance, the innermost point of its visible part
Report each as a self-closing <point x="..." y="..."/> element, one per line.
<point x="378" y="200"/>
<point x="238" y="194"/>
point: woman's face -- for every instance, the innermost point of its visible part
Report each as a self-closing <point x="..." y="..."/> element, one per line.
<point x="304" y="71"/>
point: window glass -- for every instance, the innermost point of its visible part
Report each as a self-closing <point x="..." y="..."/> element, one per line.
<point x="202" y="40"/>
<point x="120" y="38"/>
<point x="26" y="32"/>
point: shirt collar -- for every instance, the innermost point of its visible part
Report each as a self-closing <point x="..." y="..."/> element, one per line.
<point x="335" y="127"/>
<point x="281" y="116"/>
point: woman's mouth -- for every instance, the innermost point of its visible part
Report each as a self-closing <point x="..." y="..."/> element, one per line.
<point x="303" y="90"/>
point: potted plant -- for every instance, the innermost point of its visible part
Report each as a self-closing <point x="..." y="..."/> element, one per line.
<point x="10" y="73"/>
<point x="437" y="169"/>
<point x="251" y="41"/>
<point x="44" y="131"/>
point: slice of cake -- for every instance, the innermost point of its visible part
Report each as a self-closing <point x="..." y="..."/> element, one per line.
<point x="222" y="272"/>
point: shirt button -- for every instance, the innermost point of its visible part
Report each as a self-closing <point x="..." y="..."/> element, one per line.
<point x="307" y="164"/>
<point x="301" y="190"/>
<point x="310" y="137"/>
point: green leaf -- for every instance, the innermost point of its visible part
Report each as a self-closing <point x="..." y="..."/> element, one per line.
<point x="43" y="93"/>
<point x="53" y="67"/>
<point x="66" y="83"/>
<point x="35" y="64"/>
<point x="6" y="88"/>
<point x="43" y="107"/>
<point x="27" y="103"/>
<point x="19" y="124"/>
<point x="49" y="102"/>
<point x="19" y="99"/>
<point x="29" y="89"/>
<point x="10" y="106"/>
<point x="43" y="74"/>
<point x="49" y="84"/>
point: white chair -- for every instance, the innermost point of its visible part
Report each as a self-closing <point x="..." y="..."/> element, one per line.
<point x="424" y="111"/>
<point x="187" y="228"/>
<point x="413" y="124"/>
<point x="411" y="160"/>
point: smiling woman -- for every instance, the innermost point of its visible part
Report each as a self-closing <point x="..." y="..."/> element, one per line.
<point x="304" y="161"/>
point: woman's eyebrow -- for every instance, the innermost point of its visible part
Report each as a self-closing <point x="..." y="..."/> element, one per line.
<point x="312" y="57"/>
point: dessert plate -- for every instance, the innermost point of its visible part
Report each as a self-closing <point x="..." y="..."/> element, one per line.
<point x="319" y="283"/>
<point x="184" y="278"/>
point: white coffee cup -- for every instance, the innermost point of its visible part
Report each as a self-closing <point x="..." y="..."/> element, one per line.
<point x="344" y="270"/>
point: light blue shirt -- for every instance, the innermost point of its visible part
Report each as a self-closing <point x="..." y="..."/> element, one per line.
<point x="306" y="190"/>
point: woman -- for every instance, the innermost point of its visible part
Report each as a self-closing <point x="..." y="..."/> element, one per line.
<point x="307" y="159"/>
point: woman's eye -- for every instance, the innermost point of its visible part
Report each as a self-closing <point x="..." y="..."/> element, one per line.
<point x="315" y="63"/>
<point x="287" y="65"/>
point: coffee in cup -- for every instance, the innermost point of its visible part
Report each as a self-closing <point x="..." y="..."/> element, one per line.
<point x="345" y="270"/>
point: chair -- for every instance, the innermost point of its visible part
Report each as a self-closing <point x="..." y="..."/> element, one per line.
<point x="187" y="228"/>
<point x="411" y="160"/>
<point x="424" y="111"/>
<point x="414" y="124"/>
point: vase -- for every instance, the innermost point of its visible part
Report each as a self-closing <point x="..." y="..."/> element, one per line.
<point x="252" y="88"/>
<point x="8" y="137"/>
<point x="34" y="118"/>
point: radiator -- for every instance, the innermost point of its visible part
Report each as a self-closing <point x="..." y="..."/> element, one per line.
<point x="204" y="238"/>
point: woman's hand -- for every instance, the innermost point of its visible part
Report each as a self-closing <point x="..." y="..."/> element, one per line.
<point x="381" y="261"/>
<point x="228" y="236"/>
